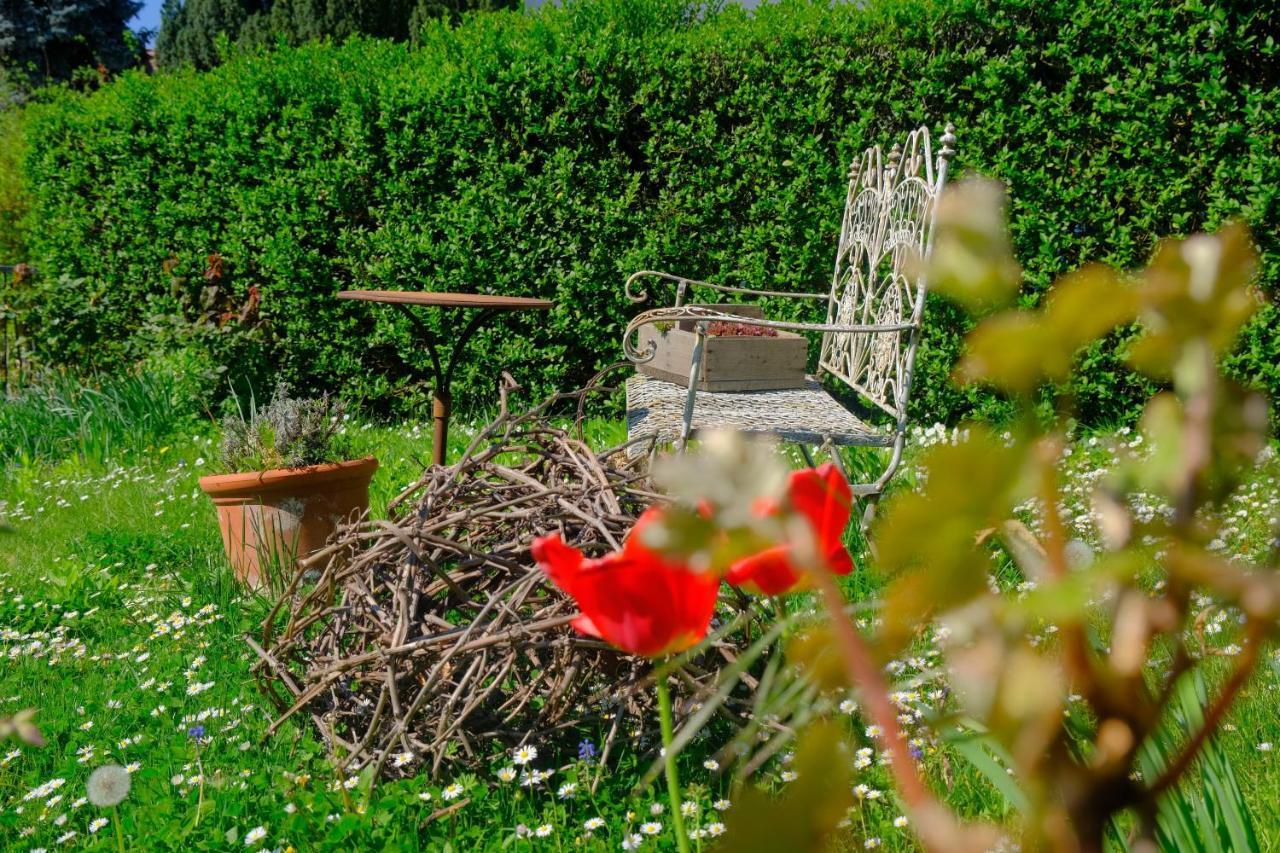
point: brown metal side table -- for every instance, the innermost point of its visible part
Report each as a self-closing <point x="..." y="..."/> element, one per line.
<point x="487" y="308"/>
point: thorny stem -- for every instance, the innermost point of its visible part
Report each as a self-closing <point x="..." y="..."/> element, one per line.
<point x="669" y="760"/>
<point x="1197" y="456"/>
<point x="936" y="829"/>
<point x="1075" y="647"/>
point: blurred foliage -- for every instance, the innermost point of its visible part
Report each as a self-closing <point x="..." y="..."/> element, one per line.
<point x="551" y="154"/>
<point x="804" y="818"/>
<point x="937" y="544"/>
<point x="1087" y="694"/>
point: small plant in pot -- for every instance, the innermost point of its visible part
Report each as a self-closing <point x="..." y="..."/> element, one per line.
<point x="288" y="484"/>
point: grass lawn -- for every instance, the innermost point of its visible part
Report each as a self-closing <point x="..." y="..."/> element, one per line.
<point x="122" y="627"/>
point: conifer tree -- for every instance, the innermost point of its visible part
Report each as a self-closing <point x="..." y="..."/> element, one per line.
<point x="47" y="40"/>
<point x="190" y="29"/>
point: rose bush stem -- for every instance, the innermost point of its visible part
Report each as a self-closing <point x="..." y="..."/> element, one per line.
<point x="669" y="761"/>
<point x="934" y="825"/>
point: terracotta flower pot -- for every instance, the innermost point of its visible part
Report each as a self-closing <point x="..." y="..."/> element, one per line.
<point x="269" y="519"/>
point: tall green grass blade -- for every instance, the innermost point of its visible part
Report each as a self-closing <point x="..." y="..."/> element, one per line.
<point x="1208" y="814"/>
<point x="61" y="417"/>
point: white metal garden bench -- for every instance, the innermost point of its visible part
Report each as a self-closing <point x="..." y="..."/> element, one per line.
<point x="869" y="339"/>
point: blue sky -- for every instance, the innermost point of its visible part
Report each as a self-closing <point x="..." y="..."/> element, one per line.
<point x="149" y="17"/>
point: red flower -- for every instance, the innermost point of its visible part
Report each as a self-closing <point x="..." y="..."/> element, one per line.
<point x="633" y="598"/>
<point x="823" y="497"/>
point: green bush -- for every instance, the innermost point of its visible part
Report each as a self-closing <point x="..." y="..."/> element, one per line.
<point x="13" y="191"/>
<point x="550" y="154"/>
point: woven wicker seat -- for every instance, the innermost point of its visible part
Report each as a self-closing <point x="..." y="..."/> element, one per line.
<point x="874" y="312"/>
<point x="806" y="415"/>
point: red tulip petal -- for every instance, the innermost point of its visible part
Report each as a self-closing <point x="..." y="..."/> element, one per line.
<point x="768" y="573"/>
<point x="838" y="560"/>
<point x="634" y="540"/>
<point x="561" y="562"/>
<point x="823" y="496"/>
<point x="584" y="625"/>
<point x="632" y="598"/>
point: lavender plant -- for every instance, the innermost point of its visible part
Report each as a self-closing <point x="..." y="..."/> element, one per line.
<point x="286" y="433"/>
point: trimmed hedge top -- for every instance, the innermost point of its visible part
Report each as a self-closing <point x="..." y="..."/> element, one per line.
<point x="205" y="220"/>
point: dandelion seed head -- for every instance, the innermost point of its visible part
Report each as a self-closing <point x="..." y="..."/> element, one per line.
<point x="108" y="785"/>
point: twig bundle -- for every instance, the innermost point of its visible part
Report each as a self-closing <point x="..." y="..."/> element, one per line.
<point x="434" y="634"/>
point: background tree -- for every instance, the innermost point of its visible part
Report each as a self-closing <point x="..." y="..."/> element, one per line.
<point x="190" y="28"/>
<point x="43" y="40"/>
<point x="298" y="21"/>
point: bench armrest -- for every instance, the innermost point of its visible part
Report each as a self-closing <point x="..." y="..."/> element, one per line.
<point x="709" y="315"/>
<point x="639" y="294"/>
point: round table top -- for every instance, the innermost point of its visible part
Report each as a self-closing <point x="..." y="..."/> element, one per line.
<point x="449" y="300"/>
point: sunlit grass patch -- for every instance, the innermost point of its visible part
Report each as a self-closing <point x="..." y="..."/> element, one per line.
<point x="120" y="623"/>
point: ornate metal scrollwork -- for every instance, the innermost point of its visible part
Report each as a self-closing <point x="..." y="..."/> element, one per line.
<point x="878" y="278"/>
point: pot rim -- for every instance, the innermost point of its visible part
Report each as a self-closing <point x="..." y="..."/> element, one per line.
<point x="253" y="483"/>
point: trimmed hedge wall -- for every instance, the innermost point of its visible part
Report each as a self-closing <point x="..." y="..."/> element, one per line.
<point x="550" y="154"/>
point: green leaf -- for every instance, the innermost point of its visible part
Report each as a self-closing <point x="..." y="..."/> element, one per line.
<point x="972" y="260"/>
<point x="927" y="541"/>
<point x="804" y="818"/>
<point x="979" y="749"/>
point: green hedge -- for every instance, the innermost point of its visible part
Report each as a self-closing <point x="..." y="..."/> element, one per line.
<point x="550" y="154"/>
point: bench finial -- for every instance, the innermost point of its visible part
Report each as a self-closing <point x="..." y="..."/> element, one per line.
<point x="948" y="142"/>
<point x="895" y="158"/>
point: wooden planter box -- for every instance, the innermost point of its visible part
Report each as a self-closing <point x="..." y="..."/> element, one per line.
<point x="729" y="362"/>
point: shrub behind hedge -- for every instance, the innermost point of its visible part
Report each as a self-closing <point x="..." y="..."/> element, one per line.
<point x="550" y="154"/>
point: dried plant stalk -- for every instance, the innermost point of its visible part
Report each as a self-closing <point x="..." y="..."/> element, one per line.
<point x="434" y="633"/>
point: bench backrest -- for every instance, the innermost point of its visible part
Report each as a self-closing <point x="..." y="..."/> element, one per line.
<point x="888" y="223"/>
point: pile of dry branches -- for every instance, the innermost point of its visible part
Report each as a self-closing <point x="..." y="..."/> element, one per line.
<point x="435" y="635"/>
